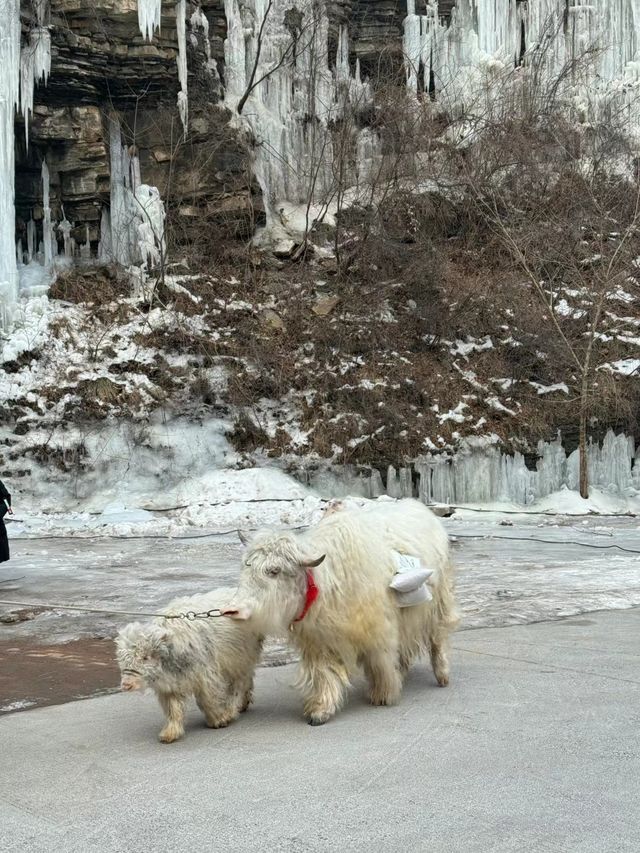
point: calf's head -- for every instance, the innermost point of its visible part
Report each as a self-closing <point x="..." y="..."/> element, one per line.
<point x="273" y="581"/>
<point x="141" y="651"/>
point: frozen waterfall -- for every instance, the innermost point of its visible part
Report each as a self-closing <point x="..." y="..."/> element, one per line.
<point x="132" y="231"/>
<point x="19" y="71"/>
<point x="594" y="47"/>
<point x="483" y="474"/>
<point x="278" y="68"/>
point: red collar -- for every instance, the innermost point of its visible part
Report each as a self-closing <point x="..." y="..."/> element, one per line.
<point x="312" y="593"/>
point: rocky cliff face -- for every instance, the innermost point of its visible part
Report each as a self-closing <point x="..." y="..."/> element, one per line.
<point x="101" y="65"/>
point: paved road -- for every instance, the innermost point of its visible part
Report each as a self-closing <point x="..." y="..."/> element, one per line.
<point x="534" y="747"/>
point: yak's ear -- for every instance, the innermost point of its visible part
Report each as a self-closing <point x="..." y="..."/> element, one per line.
<point x="161" y="637"/>
<point x="244" y="537"/>
<point x="240" y="612"/>
<point x="312" y="564"/>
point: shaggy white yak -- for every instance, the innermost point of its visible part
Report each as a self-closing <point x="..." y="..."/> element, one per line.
<point x="330" y="588"/>
<point x="212" y="659"/>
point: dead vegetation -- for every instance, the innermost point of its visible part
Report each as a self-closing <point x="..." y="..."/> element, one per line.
<point x="90" y="285"/>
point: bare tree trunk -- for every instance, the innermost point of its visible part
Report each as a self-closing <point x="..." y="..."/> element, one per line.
<point x="582" y="440"/>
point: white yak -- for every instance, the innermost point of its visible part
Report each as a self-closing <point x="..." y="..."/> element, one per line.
<point x="210" y="658"/>
<point x="329" y="587"/>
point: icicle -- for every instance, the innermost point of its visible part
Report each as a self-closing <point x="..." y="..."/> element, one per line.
<point x="183" y="101"/>
<point x="19" y="252"/>
<point x="47" y="228"/>
<point x="35" y="65"/>
<point x="149" y="17"/>
<point x="31" y="240"/>
<point x="85" y="248"/>
<point x="65" y="227"/>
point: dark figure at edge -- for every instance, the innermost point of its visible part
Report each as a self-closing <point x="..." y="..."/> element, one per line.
<point x="5" y="507"/>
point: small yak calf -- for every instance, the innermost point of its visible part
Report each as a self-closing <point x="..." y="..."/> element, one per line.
<point x="211" y="658"/>
<point x="330" y="588"/>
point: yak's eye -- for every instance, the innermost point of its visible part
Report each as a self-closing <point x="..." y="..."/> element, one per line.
<point x="272" y="571"/>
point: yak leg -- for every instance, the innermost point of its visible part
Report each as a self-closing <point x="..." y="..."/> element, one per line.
<point x="247" y="693"/>
<point x="219" y="706"/>
<point x="324" y="683"/>
<point x="173" y="706"/>
<point x="439" y="660"/>
<point x="385" y="680"/>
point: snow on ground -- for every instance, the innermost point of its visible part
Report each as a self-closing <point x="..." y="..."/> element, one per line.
<point x="219" y="500"/>
<point x="565" y="502"/>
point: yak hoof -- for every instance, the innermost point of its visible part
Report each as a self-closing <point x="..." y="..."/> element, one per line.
<point x="317" y="721"/>
<point x="218" y="724"/>
<point x="443" y="680"/>
<point x="169" y="737"/>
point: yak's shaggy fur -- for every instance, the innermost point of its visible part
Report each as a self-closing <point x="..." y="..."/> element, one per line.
<point x="212" y="659"/>
<point x="356" y="619"/>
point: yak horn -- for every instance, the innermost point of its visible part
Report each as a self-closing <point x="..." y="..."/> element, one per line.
<point x="311" y="564"/>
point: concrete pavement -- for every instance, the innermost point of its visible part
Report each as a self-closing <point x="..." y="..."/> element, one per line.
<point x="535" y="746"/>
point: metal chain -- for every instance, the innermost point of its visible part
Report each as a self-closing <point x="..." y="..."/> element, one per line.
<point x="190" y="615"/>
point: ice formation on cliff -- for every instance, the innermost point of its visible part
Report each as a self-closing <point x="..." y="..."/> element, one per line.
<point x="19" y="71"/>
<point x="149" y="17"/>
<point x="291" y="101"/>
<point x="132" y="231"/>
<point x="479" y="473"/>
<point x="9" y="93"/>
<point x="468" y="62"/>
<point x="35" y="65"/>
<point x="183" y="98"/>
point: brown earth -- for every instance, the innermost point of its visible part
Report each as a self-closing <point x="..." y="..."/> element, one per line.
<point x="35" y="675"/>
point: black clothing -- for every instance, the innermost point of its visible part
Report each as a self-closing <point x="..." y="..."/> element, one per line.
<point x="5" y="501"/>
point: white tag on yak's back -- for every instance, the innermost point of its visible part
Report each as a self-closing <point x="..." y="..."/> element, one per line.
<point x="410" y="581"/>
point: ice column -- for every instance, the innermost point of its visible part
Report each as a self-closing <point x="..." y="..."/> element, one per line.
<point x="122" y="216"/>
<point x="65" y="228"/>
<point x="9" y="90"/>
<point x="133" y="231"/>
<point x="31" y="240"/>
<point x="183" y="100"/>
<point x="47" y="228"/>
